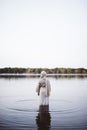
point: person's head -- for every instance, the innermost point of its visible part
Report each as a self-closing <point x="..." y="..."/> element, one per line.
<point x="43" y="74"/>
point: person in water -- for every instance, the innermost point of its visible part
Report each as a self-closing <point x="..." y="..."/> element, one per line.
<point x="43" y="89"/>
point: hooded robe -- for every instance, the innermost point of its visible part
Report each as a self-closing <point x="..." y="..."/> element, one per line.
<point x="43" y="89"/>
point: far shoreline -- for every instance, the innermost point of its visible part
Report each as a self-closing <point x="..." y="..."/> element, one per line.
<point x="37" y="71"/>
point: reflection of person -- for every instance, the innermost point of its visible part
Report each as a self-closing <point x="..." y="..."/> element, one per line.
<point x="43" y="118"/>
<point x="43" y="89"/>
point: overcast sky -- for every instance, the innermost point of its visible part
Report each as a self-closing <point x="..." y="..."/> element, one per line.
<point x="43" y="33"/>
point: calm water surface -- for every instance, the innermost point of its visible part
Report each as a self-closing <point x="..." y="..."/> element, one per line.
<point x="19" y="109"/>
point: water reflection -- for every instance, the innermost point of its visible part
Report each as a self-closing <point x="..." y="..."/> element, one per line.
<point x="59" y="76"/>
<point x="43" y="119"/>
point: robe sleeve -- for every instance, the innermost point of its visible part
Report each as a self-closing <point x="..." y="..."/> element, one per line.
<point x="48" y="88"/>
<point x="38" y="89"/>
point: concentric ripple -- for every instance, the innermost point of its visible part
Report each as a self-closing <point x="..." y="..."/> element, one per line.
<point x="25" y="114"/>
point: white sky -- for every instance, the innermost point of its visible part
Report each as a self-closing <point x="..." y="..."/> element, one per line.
<point x="43" y="33"/>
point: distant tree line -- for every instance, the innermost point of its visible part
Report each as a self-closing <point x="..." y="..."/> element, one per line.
<point x="38" y="70"/>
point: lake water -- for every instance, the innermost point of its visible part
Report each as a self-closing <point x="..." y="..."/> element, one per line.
<point x="19" y="104"/>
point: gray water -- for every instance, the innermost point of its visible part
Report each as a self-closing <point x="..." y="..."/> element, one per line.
<point x="19" y="104"/>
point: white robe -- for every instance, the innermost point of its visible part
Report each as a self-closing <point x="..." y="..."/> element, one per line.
<point x="43" y="92"/>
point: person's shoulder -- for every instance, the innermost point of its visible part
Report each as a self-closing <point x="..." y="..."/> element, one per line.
<point x="41" y="79"/>
<point x="47" y="80"/>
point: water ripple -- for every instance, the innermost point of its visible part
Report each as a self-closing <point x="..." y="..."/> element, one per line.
<point x="24" y="115"/>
